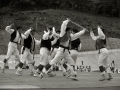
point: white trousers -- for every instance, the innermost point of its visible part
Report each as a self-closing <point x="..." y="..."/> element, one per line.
<point x="26" y="56"/>
<point x="103" y="59"/>
<point x="62" y="54"/>
<point x="13" y="49"/>
<point x="53" y="53"/>
<point x="73" y="54"/>
<point x="44" y="56"/>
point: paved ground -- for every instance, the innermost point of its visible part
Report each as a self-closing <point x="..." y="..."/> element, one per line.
<point x="87" y="81"/>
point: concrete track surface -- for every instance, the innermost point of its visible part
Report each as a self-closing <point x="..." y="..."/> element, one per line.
<point x="87" y="80"/>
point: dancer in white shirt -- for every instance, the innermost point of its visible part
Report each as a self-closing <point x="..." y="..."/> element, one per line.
<point x="15" y="39"/>
<point x="63" y="50"/>
<point x="27" y="51"/>
<point x="103" y="53"/>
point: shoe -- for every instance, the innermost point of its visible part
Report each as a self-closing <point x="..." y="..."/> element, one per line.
<point x="5" y="67"/>
<point x="64" y="74"/>
<point x="19" y="73"/>
<point x="109" y="78"/>
<point x="50" y="74"/>
<point x="41" y="75"/>
<point x="36" y="74"/>
<point x="68" y="73"/>
<point x="74" y="77"/>
<point x="102" y="79"/>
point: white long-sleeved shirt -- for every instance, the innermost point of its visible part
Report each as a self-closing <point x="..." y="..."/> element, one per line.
<point x="73" y="37"/>
<point x="79" y="47"/>
<point x="55" y="34"/>
<point x="18" y="38"/>
<point x="54" y="41"/>
<point x="27" y="33"/>
<point x="101" y="35"/>
<point x="77" y="35"/>
<point x="63" y="28"/>
<point x="46" y="36"/>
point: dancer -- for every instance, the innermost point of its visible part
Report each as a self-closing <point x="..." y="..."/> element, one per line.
<point x="26" y="51"/>
<point x="103" y="53"/>
<point x="15" y="40"/>
<point x="63" y="50"/>
<point x="75" y="48"/>
<point x="45" y="48"/>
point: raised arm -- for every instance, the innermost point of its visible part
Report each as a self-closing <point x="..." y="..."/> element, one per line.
<point x="78" y="35"/>
<point x="54" y="41"/>
<point x="63" y="27"/>
<point x="23" y="36"/>
<point x="27" y="32"/>
<point x="54" y="33"/>
<point x="46" y="35"/>
<point x="93" y="36"/>
<point x="100" y="33"/>
<point x="79" y="47"/>
<point x="9" y="30"/>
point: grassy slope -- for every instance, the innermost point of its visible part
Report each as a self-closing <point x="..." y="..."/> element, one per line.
<point x="54" y="18"/>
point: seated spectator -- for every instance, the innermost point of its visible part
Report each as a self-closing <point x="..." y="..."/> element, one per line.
<point x="89" y="69"/>
<point x="112" y="66"/>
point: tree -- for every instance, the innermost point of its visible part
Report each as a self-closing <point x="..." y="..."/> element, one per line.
<point x="118" y="6"/>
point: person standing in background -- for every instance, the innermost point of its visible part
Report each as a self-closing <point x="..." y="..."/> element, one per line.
<point x="113" y="66"/>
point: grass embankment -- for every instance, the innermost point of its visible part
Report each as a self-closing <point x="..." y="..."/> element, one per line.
<point x="54" y="18"/>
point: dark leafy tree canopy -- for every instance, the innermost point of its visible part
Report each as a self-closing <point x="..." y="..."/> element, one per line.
<point x="104" y="7"/>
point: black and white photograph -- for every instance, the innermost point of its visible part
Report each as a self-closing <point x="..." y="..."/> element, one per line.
<point x="59" y="44"/>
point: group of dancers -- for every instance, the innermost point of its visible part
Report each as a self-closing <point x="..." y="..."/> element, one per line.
<point x="56" y="46"/>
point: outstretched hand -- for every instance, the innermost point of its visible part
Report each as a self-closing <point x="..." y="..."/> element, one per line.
<point x="68" y="19"/>
<point x="31" y="28"/>
<point x="99" y="26"/>
<point x="91" y="30"/>
<point x="12" y="24"/>
<point x="86" y="29"/>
